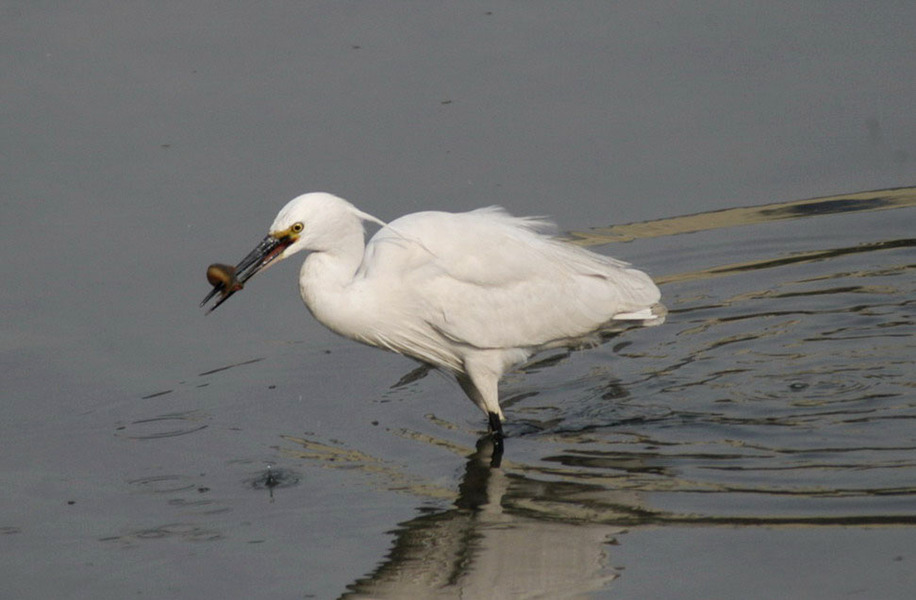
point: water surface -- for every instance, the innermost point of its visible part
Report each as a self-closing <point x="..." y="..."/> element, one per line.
<point x="759" y="444"/>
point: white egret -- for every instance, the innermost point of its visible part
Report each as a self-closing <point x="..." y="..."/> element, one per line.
<point x="472" y="293"/>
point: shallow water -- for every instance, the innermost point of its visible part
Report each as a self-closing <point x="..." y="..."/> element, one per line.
<point x="758" y="444"/>
<point x="768" y="423"/>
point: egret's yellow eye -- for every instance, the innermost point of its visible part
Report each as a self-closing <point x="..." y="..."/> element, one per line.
<point x="297" y="228"/>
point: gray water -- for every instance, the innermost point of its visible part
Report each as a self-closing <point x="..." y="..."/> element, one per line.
<point x="759" y="444"/>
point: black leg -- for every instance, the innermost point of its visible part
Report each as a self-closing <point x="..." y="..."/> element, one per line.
<point x="496" y="433"/>
<point x="496" y="426"/>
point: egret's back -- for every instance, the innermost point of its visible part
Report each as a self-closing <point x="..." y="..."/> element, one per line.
<point x="487" y="280"/>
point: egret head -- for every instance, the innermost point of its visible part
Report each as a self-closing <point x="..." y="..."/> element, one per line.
<point x="315" y="221"/>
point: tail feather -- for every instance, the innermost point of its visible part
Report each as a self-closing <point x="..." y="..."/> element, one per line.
<point x="653" y="315"/>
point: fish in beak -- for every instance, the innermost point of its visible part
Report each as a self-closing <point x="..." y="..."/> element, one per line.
<point x="227" y="280"/>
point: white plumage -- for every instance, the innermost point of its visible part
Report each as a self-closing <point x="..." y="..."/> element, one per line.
<point x="473" y="293"/>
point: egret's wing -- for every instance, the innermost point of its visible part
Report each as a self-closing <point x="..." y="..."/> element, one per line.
<point x="550" y="307"/>
<point x="489" y="280"/>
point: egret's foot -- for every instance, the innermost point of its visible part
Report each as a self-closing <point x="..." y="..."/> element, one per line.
<point x="496" y="434"/>
<point x="495" y="425"/>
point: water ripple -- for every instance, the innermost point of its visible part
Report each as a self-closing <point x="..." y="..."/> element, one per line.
<point x="164" y="426"/>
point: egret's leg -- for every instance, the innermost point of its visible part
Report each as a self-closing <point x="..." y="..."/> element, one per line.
<point x="481" y="384"/>
<point x="487" y="401"/>
<point x="496" y="425"/>
<point x="496" y="435"/>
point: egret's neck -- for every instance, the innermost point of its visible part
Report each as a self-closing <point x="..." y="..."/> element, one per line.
<point x="335" y="266"/>
<point x="325" y="277"/>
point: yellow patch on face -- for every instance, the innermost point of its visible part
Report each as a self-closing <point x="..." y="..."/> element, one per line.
<point x="292" y="231"/>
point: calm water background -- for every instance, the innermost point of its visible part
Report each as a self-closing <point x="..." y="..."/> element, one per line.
<point x="759" y="444"/>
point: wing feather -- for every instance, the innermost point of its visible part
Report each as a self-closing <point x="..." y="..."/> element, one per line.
<point x="487" y="279"/>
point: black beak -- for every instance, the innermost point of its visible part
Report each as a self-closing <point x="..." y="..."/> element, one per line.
<point x="228" y="280"/>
